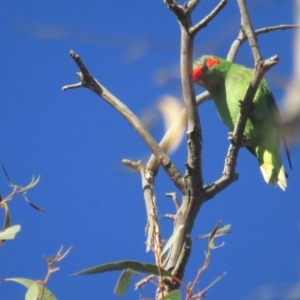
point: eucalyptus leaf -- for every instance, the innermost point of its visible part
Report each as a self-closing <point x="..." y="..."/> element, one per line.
<point x="28" y="283"/>
<point x="126" y="264"/>
<point x="220" y="232"/>
<point x="33" y="292"/>
<point x="123" y="283"/>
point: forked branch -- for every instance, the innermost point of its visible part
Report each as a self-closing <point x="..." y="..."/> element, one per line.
<point x="208" y="18"/>
<point x="86" y="80"/>
<point x="249" y="31"/>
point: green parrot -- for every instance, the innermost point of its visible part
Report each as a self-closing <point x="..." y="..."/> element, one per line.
<point x="227" y="84"/>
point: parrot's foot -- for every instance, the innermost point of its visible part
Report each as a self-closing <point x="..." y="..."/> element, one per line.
<point x="252" y="107"/>
<point x="245" y="140"/>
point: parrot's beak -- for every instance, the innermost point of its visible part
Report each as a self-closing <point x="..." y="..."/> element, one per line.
<point x="197" y="72"/>
<point x="197" y="75"/>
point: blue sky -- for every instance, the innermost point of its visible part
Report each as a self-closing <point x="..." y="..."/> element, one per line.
<point x="76" y="143"/>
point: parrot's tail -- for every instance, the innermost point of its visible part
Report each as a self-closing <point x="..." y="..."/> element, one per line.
<point x="274" y="175"/>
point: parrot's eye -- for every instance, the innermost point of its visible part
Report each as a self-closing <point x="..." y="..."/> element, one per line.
<point x="212" y="62"/>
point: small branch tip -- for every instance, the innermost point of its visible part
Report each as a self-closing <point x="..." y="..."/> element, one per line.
<point x="170" y="217"/>
<point x="174" y="198"/>
<point x="72" y="86"/>
<point x="137" y="166"/>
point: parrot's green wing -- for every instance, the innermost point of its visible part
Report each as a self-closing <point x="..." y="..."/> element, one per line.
<point x="274" y="109"/>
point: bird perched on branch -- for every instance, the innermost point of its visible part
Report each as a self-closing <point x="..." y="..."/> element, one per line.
<point x="227" y="84"/>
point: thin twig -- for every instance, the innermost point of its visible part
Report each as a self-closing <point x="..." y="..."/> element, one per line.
<point x="235" y="47"/>
<point x="144" y="281"/>
<point x="203" y="23"/>
<point x="203" y="292"/>
<point x="249" y="31"/>
<point x="169" y="216"/>
<point x="202" y="98"/>
<point x="238" y="42"/>
<point x="192" y="4"/>
<point x="72" y="86"/>
<point x="276" y="28"/>
<point x="174" y="198"/>
<point x="137" y="166"/>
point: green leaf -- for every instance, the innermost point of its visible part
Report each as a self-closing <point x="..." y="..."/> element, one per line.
<point x="126" y="264"/>
<point x="220" y="232"/>
<point x="123" y="282"/>
<point x="175" y="295"/>
<point x="28" y="283"/>
<point x="33" y="292"/>
<point x="171" y="240"/>
<point x="10" y="232"/>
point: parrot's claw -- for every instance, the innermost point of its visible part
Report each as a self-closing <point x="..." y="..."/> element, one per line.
<point x="241" y="103"/>
<point x="245" y="140"/>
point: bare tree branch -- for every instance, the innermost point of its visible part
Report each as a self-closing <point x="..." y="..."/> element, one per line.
<point x="248" y="29"/>
<point x="202" y="98"/>
<point x="170" y="217"/>
<point x="208" y="18"/>
<point x="236" y="46"/>
<point x="89" y="82"/>
<point x="193" y="124"/>
<point x="72" y="86"/>
<point x="242" y="37"/>
<point x="192" y="200"/>
<point x="192" y="4"/>
<point x="175" y="7"/>
<point x="152" y="228"/>
<point x="174" y="198"/>
<point x="178" y="254"/>
<point x="194" y="135"/>
<point x="191" y="185"/>
<point x="276" y="28"/>
<point x="133" y="165"/>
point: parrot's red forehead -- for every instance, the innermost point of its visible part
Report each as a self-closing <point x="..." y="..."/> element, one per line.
<point x="208" y="62"/>
<point x="212" y="62"/>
